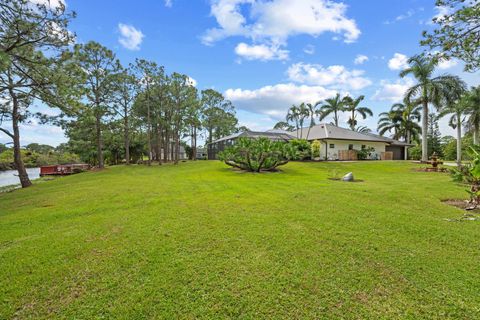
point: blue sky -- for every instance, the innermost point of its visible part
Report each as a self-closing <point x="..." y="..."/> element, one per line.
<point x="265" y="55"/>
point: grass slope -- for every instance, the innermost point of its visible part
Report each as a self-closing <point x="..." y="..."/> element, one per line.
<point x="202" y="241"/>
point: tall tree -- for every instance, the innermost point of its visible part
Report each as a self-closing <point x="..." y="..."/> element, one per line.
<point x="297" y="115"/>
<point x="456" y="111"/>
<point x="283" y="125"/>
<point x="218" y="115"/>
<point x="402" y="120"/>
<point x="293" y="115"/>
<point x="390" y="121"/>
<point x="194" y="122"/>
<point x="333" y="106"/>
<point x="125" y="90"/>
<point x="150" y="76"/>
<point x="434" y="137"/>
<point x="472" y="105"/>
<point x="457" y="32"/>
<point x="183" y="95"/>
<point x="312" y="113"/>
<point x="98" y="67"/>
<point x="352" y="106"/>
<point x="36" y="24"/>
<point x="428" y="90"/>
<point x="27" y="75"/>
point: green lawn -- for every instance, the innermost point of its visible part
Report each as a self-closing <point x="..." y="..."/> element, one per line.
<point x="201" y="241"/>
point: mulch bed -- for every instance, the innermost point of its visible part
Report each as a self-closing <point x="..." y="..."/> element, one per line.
<point x="470" y="215"/>
<point x="439" y="170"/>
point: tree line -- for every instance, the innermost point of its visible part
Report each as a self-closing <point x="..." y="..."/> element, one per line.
<point x="139" y="109"/>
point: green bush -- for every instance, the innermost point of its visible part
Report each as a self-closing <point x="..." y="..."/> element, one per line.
<point x="303" y="149"/>
<point x="365" y="153"/>
<point x="415" y="153"/>
<point x="315" y="149"/>
<point x="256" y="155"/>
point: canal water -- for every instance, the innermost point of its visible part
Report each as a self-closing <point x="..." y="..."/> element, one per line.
<point x="10" y="177"/>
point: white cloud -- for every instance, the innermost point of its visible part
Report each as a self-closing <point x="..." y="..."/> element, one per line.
<point x="276" y="99"/>
<point x="260" y="52"/>
<point x="360" y="59"/>
<point x="398" y="62"/>
<point x="130" y="37"/>
<point x="273" y="22"/>
<point x="168" y="3"/>
<point x="393" y="91"/>
<point x="447" y="64"/>
<point x="51" y="4"/>
<point x="406" y="15"/>
<point x="309" y="49"/>
<point x="335" y="76"/>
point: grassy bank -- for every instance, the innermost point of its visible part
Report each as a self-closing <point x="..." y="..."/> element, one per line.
<point x="201" y="241"/>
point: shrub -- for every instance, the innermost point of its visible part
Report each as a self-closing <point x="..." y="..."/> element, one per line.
<point x="315" y="149"/>
<point x="256" y="155"/>
<point x="365" y="153"/>
<point x="470" y="174"/>
<point x="415" y="153"/>
<point x="302" y="147"/>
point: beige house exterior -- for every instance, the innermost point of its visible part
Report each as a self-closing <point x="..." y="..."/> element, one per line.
<point x="336" y="139"/>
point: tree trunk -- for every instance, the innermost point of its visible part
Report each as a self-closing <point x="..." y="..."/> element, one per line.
<point x="99" y="141"/>
<point x="194" y="144"/>
<point x="149" y="138"/>
<point x="425" y="129"/>
<point x="166" y="147"/>
<point x="459" y="140"/>
<point x="127" y="140"/>
<point x="17" y="156"/>
<point x="335" y="119"/>
<point x="407" y="140"/>
<point x="160" y="145"/>
<point x="177" y="148"/>
<point x="157" y="144"/>
<point x="352" y="124"/>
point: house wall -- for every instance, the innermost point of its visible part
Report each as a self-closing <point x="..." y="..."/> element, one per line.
<point x="332" y="153"/>
<point x="398" y="152"/>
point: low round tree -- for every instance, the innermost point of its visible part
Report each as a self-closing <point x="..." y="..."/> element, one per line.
<point x="257" y="155"/>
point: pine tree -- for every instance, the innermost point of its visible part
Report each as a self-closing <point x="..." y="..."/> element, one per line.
<point x="434" y="136"/>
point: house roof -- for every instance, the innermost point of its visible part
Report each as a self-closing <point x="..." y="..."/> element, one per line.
<point x="284" y="136"/>
<point x="328" y="131"/>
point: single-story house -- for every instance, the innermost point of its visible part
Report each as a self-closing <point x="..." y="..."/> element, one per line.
<point x="337" y="140"/>
<point x="220" y="144"/>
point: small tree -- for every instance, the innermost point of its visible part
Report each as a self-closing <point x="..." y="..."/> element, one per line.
<point x="434" y="136"/>
<point x="256" y="155"/>
<point x="315" y="147"/>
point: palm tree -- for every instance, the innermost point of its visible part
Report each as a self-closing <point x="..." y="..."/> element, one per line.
<point x="455" y="105"/>
<point x="363" y="129"/>
<point x="472" y="105"/>
<point x="428" y="90"/>
<point x="332" y="105"/>
<point x="390" y="121"/>
<point x="402" y="120"/>
<point x="282" y="125"/>
<point x="456" y="110"/>
<point x="293" y="116"/>
<point x="312" y="112"/>
<point x="351" y="105"/>
<point x="410" y="117"/>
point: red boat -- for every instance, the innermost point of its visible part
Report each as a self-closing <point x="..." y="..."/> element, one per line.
<point x="63" y="169"/>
